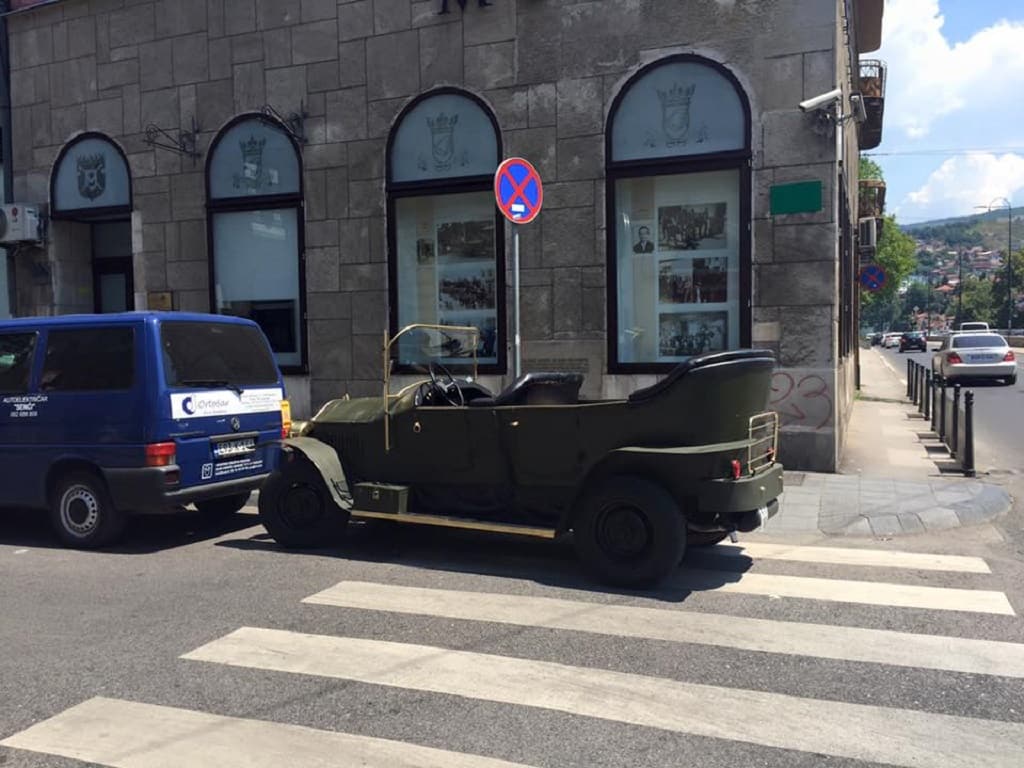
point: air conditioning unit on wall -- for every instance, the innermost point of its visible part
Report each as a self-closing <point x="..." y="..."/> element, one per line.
<point x="19" y="223"/>
<point x="867" y="232"/>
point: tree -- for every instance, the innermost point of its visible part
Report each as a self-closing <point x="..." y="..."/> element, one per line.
<point x="978" y="300"/>
<point x="869" y="169"/>
<point x="896" y="254"/>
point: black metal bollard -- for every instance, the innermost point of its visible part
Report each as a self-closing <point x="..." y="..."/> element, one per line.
<point x="954" y="448"/>
<point x="934" y="403"/>
<point x="942" y="408"/>
<point x="910" y="378"/>
<point x="927" y="395"/>
<point x="967" y="460"/>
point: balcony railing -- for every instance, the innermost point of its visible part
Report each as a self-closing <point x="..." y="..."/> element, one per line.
<point x="872" y="89"/>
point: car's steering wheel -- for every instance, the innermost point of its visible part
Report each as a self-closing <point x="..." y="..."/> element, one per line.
<point x="444" y="384"/>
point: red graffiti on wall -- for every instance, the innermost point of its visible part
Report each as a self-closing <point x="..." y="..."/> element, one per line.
<point x="804" y="402"/>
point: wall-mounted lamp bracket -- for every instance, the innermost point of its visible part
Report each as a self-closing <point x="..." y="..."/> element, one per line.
<point x="184" y="143"/>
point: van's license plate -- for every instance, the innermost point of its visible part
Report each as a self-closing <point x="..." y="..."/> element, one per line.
<point x="230" y="448"/>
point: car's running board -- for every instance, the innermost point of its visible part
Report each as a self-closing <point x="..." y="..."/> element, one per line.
<point x="456" y="522"/>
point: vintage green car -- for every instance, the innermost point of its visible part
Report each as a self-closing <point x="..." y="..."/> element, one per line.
<point x="689" y="460"/>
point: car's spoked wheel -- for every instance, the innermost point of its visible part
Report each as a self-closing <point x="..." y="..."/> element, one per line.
<point x="629" y="531"/>
<point x="623" y="532"/>
<point x="82" y="513"/>
<point x="297" y="509"/>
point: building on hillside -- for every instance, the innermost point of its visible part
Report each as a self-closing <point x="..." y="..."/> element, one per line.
<point x="326" y="168"/>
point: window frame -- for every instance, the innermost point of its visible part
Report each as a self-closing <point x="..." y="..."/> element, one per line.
<point x="438" y="187"/>
<point x="246" y="203"/>
<point x="87" y="214"/>
<point x="678" y="165"/>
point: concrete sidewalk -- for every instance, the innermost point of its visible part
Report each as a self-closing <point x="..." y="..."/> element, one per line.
<point x="894" y="478"/>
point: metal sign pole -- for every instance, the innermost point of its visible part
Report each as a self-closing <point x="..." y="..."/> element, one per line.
<point x="515" y="300"/>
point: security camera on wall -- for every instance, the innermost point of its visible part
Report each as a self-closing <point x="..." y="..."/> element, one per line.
<point x="857" y="107"/>
<point x="817" y="102"/>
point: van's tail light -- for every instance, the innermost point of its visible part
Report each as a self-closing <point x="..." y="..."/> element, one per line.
<point x="161" y="454"/>
<point x="1009" y="357"/>
<point x="286" y="418"/>
<point x="737" y="469"/>
<point x="954" y="358"/>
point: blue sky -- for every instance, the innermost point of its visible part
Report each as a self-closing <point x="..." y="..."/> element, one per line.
<point x="953" y="134"/>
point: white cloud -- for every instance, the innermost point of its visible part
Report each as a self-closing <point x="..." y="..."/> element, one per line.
<point x="928" y="78"/>
<point x="962" y="183"/>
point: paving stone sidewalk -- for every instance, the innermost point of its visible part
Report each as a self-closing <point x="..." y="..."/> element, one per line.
<point x="888" y="484"/>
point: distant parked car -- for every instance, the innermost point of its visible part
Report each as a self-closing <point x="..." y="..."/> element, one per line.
<point x="913" y="340"/>
<point x="875" y="338"/>
<point x="891" y="340"/>
<point x="974" y="327"/>
<point x="976" y="356"/>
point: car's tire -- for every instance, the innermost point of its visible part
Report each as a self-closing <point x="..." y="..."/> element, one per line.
<point x="81" y="511"/>
<point x="705" y="538"/>
<point x="1012" y="380"/>
<point x="297" y="509"/>
<point x="628" y="531"/>
<point x="223" y="506"/>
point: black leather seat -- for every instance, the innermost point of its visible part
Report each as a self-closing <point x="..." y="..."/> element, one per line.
<point x="711" y="358"/>
<point x="537" y="389"/>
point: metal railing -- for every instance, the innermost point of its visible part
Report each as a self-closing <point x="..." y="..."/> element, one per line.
<point x="950" y="417"/>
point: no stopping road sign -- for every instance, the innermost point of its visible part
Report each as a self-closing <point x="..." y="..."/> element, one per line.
<point x="518" y="190"/>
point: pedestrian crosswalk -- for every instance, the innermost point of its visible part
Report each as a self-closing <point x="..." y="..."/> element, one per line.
<point x="133" y="734"/>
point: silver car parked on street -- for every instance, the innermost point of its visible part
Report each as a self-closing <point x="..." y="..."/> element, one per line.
<point x="976" y="355"/>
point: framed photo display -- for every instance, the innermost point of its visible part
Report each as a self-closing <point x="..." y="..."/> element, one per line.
<point x="448" y="274"/>
<point x="677" y="273"/>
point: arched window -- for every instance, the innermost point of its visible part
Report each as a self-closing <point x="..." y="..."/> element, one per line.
<point x="445" y="236"/>
<point x="678" y="151"/>
<point x="91" y="198"/>
<point x="254" y="205"/>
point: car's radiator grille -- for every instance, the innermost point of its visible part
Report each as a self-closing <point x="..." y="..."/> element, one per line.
<point x="764" y="439"/>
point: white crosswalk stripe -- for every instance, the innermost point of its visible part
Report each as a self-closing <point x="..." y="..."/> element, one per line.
<point x="877" y="734"/>
<point x="847" y="591"/>
<point x="847" y="643"/>
<point x="854" y="556"/>
<point x="126" y="734"/>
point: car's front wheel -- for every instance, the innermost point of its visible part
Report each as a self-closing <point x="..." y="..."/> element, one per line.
<point x="628" y="531"/>
<point x="82" y="512"/>
<point x="297" y="509"/>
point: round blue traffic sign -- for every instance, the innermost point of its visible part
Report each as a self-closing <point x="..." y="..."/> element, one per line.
<point x="872" y="277"/>
<point x="518" y="190"/>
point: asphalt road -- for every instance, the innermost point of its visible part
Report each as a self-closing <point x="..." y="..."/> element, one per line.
<point x="490" y="647"/>
<point x="998" y="414"/>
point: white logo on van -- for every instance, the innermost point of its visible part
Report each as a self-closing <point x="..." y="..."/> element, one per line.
<point x="186" y="405"/>
<point x="24" y="406"/>
<point x="207" y="473"/>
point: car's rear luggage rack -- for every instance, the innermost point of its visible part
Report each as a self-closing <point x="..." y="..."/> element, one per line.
<point x="764" y="439"/>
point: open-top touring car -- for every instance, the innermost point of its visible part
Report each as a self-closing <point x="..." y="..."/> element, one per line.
<point x="688" y="460"/>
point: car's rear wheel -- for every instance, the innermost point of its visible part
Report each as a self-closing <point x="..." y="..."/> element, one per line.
<point x="223" y="506"/>
<point x="1011" y="380"/>
<point x="297" y="509"/>
<point x="629" y="531"/>
<point x="82" y="512"/>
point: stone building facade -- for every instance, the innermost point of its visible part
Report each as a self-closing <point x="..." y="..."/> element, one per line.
<point x="560" y="82"/>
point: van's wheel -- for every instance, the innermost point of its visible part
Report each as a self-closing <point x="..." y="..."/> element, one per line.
<point x="629" y="531"/>
<point x="705" y="538"/>
<point x="223" y="506"/>
<point x="297" y="509"/>
<point x="82" y="513"/>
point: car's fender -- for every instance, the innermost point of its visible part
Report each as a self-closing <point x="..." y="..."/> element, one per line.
<point x="325" y="459"/>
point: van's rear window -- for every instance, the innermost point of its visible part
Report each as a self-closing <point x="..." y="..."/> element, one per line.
<point x="215" y="355"/>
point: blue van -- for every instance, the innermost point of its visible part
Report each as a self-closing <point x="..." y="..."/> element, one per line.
<point x="102" y="416"/>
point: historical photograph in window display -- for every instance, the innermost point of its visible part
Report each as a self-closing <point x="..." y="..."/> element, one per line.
<point x="675" y="281"/>
<point x="691" y="227"/>
<point x="461" y="290"/>
<point x="486" y="341"/>
<point x="684" y="334"/>
<point x="465" y="240"/>
<point x="643" y="240"/>
<point x="424" y="252"/>
<point x="710" y="279"/>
